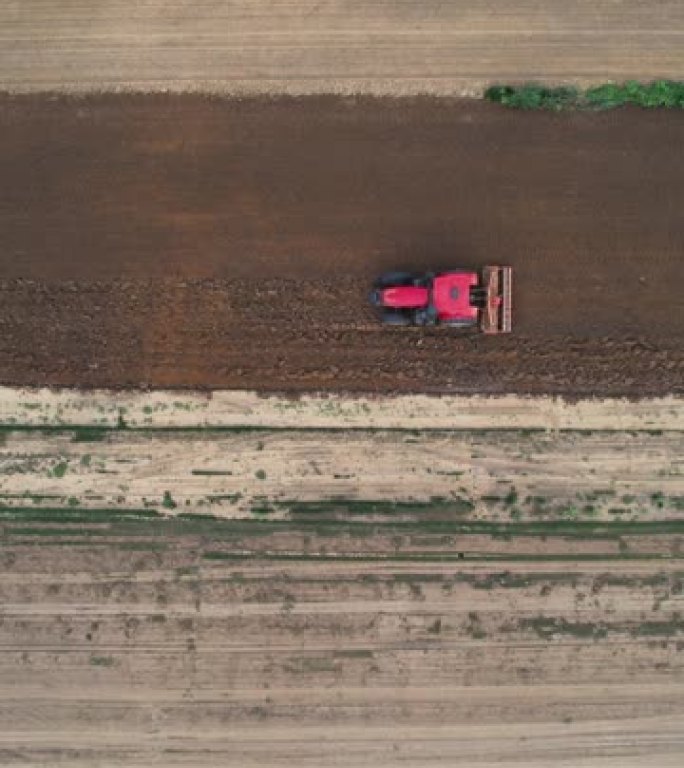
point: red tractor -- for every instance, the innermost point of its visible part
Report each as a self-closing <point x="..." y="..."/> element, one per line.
<point x="458" y="298"/>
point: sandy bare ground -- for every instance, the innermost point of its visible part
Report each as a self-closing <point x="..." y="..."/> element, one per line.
<point x="234" y="453"/>
<point x="489" y="474"/>
<point x="239" y="408"/>
<point x="307" y="46"/>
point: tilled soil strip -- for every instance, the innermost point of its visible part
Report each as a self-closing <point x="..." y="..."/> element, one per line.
<point x="192" y="242"/>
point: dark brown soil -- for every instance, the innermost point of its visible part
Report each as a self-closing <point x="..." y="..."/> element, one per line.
<point x="181" y="241"/>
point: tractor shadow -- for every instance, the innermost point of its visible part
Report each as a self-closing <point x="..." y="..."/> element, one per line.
<point x="435" y="250"/>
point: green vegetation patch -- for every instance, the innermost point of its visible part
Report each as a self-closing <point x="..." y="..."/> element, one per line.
<point x="663" y="94"/>
<point x="89" y="434"/>
<point x="342" y="508"/>
<point x="509" y="580"/>
<point x="50" y="531"/>
<point x="547" y="627"/>
<point x="217" y="527"/>
<point x="416" y="537"/>
<point x="59" y="470"/>
<point x="354" y="653"/>
<point x="74" y="515"/>
<point x="168" y="501"/>
<point x="664" y="628"/>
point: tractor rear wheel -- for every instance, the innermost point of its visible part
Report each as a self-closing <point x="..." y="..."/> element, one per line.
<point x="389" y="279"/>
<point x="396" y="318"/>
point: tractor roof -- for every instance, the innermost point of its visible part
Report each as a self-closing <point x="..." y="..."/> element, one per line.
<point x="451" y="295"/>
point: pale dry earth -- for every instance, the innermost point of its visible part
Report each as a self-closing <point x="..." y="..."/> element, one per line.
<point x="236" y="473"/>
<point x="23" y="406"/>
<point x="333" y="46"/>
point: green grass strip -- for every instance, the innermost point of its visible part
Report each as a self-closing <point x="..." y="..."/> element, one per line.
<point x="658" y="94"/>
<point x="187" y="523"/>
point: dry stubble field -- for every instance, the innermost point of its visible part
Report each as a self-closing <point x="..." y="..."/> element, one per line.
<point x="332" y="46"/>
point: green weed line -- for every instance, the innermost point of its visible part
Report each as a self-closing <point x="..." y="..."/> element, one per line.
<point x="247" y="539"/>
<point x="659" y="94"/>
<point x="88" y="433"/>
<point x="209" y="524"/>
<point x="548" y="627"/>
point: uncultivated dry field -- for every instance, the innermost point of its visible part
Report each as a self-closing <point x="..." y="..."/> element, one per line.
<point x="184" y="584"/>
<point x="332" y="46"/>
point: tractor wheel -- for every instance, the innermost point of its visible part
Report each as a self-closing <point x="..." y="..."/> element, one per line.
<point x="375" y="297"/>
<point x="390" y="279"/>
<point x="396" y="318"/>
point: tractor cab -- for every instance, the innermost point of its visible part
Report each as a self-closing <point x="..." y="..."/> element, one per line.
<point x="453" y="299"/>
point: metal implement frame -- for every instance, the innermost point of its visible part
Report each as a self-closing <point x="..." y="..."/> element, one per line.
<point x="496" y="316"/>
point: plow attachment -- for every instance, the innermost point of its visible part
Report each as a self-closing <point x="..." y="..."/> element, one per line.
<point x="496" y="314"/>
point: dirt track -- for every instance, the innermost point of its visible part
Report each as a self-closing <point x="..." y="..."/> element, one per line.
<point x="181" y="241"/>
<point x="333" y="46"/>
